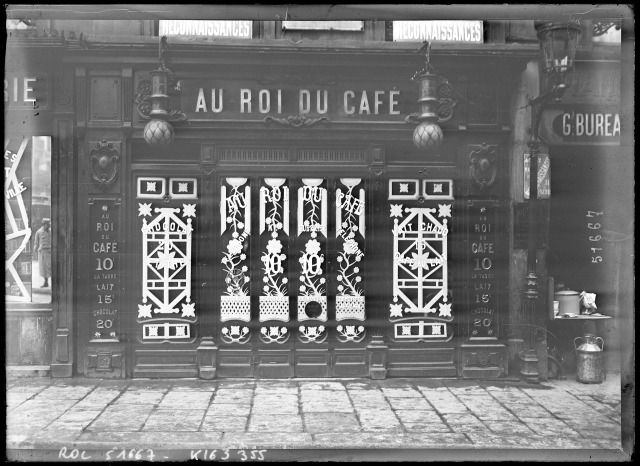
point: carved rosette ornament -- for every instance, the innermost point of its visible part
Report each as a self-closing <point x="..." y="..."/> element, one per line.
<point x="483" y="167"/>
<point x="297" y="121"/>
<point x="104" y="164"/>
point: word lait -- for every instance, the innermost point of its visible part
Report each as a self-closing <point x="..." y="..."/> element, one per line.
<point x="361" y="102"/>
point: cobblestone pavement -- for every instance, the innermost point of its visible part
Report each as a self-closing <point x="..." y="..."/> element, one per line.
<point x="407" y="414"/>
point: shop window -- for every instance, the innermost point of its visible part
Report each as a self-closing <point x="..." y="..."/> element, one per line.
<point x="27" y="219"/>
<point x="274" y="247"/>
<point x="167" y="310"/>
<point x="307" y="243"/>
<point x="421" y="282"/>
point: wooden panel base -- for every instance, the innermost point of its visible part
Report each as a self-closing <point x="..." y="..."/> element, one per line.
<point x="312" y="362"/>
<point x="165" y="363"/>
<point x="421" y="362"/>
<point x="350" y="362"/>
<point x="483" y="361"/>
<point x="104" y="359"/>
<point x="273" y="363"/>
<point x="235" y="362"/>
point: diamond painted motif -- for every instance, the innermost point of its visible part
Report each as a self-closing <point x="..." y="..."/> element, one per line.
<point x="420" y="260"/>
<point x="166" y="272"/>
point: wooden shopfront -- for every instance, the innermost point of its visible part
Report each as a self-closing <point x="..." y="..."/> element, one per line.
<point x="291" y="228"/>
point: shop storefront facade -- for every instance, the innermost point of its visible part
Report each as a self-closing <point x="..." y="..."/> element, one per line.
<point x="279" y="221"/>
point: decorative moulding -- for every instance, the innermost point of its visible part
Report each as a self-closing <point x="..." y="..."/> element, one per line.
<point x="235" y="308"/>
<point x="295" y="121"/>
<point x="274" y="308"/>
<point x="350" y="307"/>
<point x="483" y="166"/>
<point x="105" y="164"/>
<point x="302" y="304"/>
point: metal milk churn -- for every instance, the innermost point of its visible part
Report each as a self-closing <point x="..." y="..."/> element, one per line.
<point x="590" y="367"/>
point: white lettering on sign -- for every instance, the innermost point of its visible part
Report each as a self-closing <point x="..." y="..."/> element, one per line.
<point x="438" y="31"/>
<point x="350" y="203"/>
<point x="19" y="90"/>
<point x="350" y="102"/>
<point x="544" y="176"/>
<point x="216" y="101"/>
<point x="590" y="124"/>
<point x="236" y="29"/>
<point x="13" y="192"/>
<point x="317" y="101"/>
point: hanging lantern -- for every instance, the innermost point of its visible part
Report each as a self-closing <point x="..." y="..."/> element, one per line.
<point x="427" y="136"/>
<point x="159" y="131"/>
<point x="558" y="42"/>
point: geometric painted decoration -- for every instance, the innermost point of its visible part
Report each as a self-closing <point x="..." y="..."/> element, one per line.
<point x="421" y="329"/>
<point x="235" y="229"/>
<point x="165" y="330"/>
<point x="183" y="188"/>
<point x="404" y="189"/>
<point x="350" y="233"/>
<point x="312" y="233"/>
<point x="17" y="230"/>
<point x="420" y="271"/>
<point x="437" y="189"/>
<point x="274" y="232"/>
<point x="151" y="187"/>
<point x="166" y="271"/>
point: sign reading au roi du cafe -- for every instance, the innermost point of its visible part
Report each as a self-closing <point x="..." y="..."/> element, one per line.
<point x="254" y="101"/>
<point x="281" y="94"/>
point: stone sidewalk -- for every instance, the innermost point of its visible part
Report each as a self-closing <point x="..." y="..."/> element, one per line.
<point x="98" y="416"/>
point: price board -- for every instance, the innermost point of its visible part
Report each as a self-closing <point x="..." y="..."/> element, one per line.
<point x="104" y="266"/>
<point x="483" y="274"/>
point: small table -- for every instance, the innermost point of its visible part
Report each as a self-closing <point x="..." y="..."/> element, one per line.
<point x="588" y="321"/>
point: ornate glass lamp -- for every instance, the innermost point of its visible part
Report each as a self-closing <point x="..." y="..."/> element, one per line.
<point x="159" y="131"/>
<point x="427" y="135"/>
<point x="558" y="42"/>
